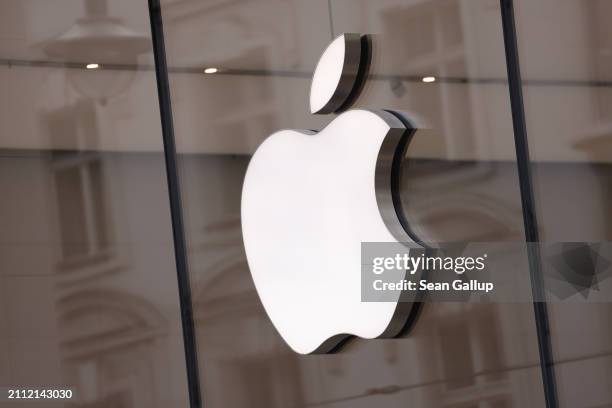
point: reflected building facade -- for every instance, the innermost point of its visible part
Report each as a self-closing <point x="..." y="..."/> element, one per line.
<point x="88" y="288"/>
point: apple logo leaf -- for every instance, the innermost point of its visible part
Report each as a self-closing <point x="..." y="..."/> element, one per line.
<point x="310" y="199"/>
<point x="340" y="73"/>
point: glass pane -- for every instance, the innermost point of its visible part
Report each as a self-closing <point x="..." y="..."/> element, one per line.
<point x="241" y="71"/>
<point x="566" y="61"/>
<point x="88" y="292"/>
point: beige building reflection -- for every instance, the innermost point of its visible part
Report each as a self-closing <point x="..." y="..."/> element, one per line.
<point x="88" y="293"/>
<point x="461" y="185"/>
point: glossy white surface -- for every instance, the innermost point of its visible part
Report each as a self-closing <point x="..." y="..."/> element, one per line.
<point x="308" y="201"/>
<point x="327" y="74"/>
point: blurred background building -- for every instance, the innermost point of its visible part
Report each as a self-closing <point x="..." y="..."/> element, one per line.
<point x="88" y="287"/>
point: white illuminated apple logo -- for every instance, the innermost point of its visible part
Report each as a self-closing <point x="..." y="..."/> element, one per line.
<point x="310" y="199"/>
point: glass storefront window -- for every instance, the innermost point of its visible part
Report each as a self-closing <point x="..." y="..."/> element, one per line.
<point x="565" y="62"/>
<point x="93" y="296"/>
<point x="88" y="290"/>
<point x="460" y="184"/>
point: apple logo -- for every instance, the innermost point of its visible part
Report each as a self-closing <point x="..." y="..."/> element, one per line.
<point x="310" y="199"/>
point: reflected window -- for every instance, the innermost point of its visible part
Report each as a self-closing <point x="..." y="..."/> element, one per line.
<point x="457" y="358"/>
<point x="427" y="40"/>
<point x="82" y="213"/>
<point x="79" y="185"/>
<point x="471" y="356"/>
<point x="600" y="33"/>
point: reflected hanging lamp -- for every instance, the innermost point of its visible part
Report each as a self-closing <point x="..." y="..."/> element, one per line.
<point x="102" y="51"/>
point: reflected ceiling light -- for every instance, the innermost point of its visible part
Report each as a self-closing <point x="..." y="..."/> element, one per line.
<point x="211" y="70"/>
<point x="92" y="66"/>
<point x="429" y="79"/>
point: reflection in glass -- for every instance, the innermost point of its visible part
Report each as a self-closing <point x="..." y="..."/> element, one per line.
<point x="460" y="183"/>
<point x="95" y="40"/>
<point x="565" y="64"/>
<point x="88" y="295"/>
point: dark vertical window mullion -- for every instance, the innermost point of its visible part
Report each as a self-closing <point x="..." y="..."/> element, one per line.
<point x="176" y="211"/>
<point x="528" y="202"/>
